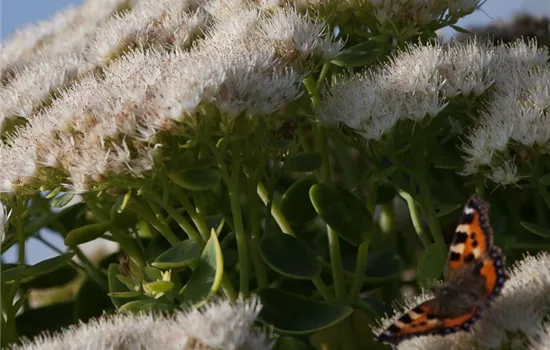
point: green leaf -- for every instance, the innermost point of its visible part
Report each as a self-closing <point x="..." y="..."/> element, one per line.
<point x="383" y="266"/>
<point x="304" y="162"/>
<point x="150" y="305"/>
<point x="56" y="278"/>
<point x="19" y="303"/>
<point x="342" y="211"/>
<point x="86" y="233"/>
<point x="360" y="55"/>
<point x="159" y="286"/>
<point x="196" y="179"/>
<point x="143" y="229"/>
<point x="445" y="209"/>
<point x="431" y="263"/>
<point x="292" y="314"/>
<point x="545" y="179"/>
<point x="128" y="294"/>
<point x="291" y="343"/>
<point x="295" y="204"/>
<point x="460" y="29"/>
<point x="207" y="277"/>
<point x="180" y="255"/>
<point x="47" y="266"/>
<point x="54" y="192"/>
<point x="70" y="217"/>
<point x="62" y="200"/>
<point x="278" y="144"/>
<point x="152" y="273"/>
<point x="10" y="275"/>
<point x="536" y="229"/>
<point x="123" y="201"/>
<point x="382" y="174"/>
<point x="289" y="256"/>
<point x="116" y="286"/>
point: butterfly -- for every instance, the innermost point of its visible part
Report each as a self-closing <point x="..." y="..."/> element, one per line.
<point x="474" y="275"/>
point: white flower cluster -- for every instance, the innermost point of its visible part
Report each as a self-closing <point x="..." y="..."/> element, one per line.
<point x="517" y="113"/>
<point x="39" y="60"/>
<point x="219" y="325"/>
<point x="162" y="23"/>
<point x="106" y="123"/>
<point x="517" y="319"/>
<point x="421" y="80"/>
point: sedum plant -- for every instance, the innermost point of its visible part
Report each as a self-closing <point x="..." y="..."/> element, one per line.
<point x="275" y="174"/>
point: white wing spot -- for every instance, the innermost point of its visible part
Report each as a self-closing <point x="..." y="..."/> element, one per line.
<point x="463" y="228"/>
<point x="458" y="248"/>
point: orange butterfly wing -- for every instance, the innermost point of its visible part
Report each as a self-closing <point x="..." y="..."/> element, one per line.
<point x="473" y="236"/>
<point x="422" y="321"/>
<point x="473" y="241"/>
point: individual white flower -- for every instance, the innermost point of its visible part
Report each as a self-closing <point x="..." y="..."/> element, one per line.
<point x="221" y="324"/>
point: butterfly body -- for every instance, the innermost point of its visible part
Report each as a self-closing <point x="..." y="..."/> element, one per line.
<point x="474" y="275"/>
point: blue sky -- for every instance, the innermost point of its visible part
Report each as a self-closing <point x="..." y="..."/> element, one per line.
<point x="18" y="13"/>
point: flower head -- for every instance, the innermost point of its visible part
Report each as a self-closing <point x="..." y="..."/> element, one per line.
<point x="220" y="324"/>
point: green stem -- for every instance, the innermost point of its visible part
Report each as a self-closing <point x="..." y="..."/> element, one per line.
<point x="422" y="164"/>
<point x="228" y="289"/>
<point x="127" y="244"/>
<point x="253" y="207"/>
<point x="416" y="218"/>
<point x="182" y="222"/>
<point x="287" y="229"/>
<point x="19" y="206"/>
<point x="198" y="219"/>
<point x="431" y="216"/>
<point x="275" y="211"/>
<point x="360" y="268"/>
<point x="152" y="219"/>
<point x="93" y="271"/>
<point x="240" y="235"/>
<point x="333" y="239"/>
<point x="313" y="89"/>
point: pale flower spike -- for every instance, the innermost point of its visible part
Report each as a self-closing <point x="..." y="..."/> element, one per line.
<point x="514" y="320"/>
<point x="221" y="324"/>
